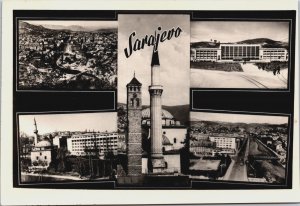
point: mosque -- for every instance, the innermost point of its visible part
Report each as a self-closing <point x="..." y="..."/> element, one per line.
<point x="154" y="137"/>
<point x="42" y="153"/>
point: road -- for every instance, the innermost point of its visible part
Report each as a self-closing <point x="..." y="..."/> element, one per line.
<point x="237" y="171"/>
<point x="252" y="77"/>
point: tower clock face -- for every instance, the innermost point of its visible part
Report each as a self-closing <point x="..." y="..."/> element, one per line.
<point x="134" y="95"/>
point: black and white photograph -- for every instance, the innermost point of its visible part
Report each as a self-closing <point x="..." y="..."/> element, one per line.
<point x="248" y="148"/>
<point x="153" y="99"/>
<point x="240" y="54"/>
<point x="67" y="55"/>
<point x="67" y="147"/>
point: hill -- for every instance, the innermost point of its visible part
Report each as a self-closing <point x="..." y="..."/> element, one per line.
<point x="216" y="124"/>
<point x="264" y="42"/>
<point x="25" y="27"/>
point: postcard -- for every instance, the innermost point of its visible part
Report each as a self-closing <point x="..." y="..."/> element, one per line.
<point x="108" y="104"/>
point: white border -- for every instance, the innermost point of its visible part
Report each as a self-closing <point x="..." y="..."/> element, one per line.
<point x="21" y="196"/>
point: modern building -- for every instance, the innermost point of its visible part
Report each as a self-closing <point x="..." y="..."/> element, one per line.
<point x="238" y="52"/>
<point x="104" y="142"/>
<point x="227" y="144"/>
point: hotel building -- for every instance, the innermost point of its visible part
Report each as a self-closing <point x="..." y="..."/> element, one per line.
<point x="104" y="142"/>
<point x="238" y="52"/>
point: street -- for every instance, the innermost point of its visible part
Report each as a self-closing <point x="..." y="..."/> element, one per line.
<point x="251" y="77"/>
<point x="237" y="171"/>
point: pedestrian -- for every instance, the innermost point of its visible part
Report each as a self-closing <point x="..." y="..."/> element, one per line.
<point x="278" y="69"/>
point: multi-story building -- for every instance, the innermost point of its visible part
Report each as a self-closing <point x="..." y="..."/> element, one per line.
<point x="226" y="143"/>
<point x="239" y="52"/>
<point x="78" y="144"/>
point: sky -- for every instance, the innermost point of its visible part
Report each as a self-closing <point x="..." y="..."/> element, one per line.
<point x="173" y="56"/>
<point x="68" y="122"/>
<point x="241" y="118"/>
<point x="233" y="31"/>
<point x="88" y="24"/>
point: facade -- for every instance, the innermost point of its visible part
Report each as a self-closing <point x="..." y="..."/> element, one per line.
<point x="274" y="54"/>
<point x="202" y="147"/>
<point x="227" y="144"/>
<point x="104" y="142"/>
<point x="60" y="141"/>
<point x="239" y="52"/>
<point x="42" y="154"/>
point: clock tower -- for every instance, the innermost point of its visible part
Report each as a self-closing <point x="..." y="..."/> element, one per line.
<point x="134" y="119"/>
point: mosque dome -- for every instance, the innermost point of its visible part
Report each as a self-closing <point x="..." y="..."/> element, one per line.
<point x="164" y="114"/>
<point x="43" y="143"/>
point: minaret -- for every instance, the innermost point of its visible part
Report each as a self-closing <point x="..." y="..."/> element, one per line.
<point x="134" y="117"/>
<point x="155" y="90"/>
<point x="35" y="132"/>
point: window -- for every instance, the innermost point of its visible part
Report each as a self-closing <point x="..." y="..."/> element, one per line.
<point x="175" y="140"/>
<point x="132" y="102"/>
<point x="45" y="157"/>
<point x="37" y="158"/>
<point x="137" y="102"/>
<point x="40" y="154"/>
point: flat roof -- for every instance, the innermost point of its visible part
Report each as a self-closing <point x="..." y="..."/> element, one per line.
<point x="205" y="165"/>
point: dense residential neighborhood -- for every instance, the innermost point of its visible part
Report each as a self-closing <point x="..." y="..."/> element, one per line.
<point x="257" y="152"/>
<point x="66" y="59"/>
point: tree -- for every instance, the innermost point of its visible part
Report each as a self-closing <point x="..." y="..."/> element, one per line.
<point x="61" y="157"/>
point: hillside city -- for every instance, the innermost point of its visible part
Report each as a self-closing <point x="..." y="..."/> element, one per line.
<point x="66" y="59"/>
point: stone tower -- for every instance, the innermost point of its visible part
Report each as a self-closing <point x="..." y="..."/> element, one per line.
<point x="35" y="131"/>
<point x="155" y="91"/>
<point x="134" y="117"/>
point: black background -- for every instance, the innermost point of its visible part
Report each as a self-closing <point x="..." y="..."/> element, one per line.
<point x="228" y="100"/>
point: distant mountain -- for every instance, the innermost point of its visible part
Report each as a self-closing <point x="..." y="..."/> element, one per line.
<point x="69" y="28"/>
<point x="201" y="123"/>
<point x="206" y="44"/>
<point x="264" y="42"/>
<point x="106" y="30"/>
<point x="26" y="27"/>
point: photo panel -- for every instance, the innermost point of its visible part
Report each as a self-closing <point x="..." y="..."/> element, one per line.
<point x="243" y="148"/>
<point x="241" y="54"/>
<point x="67" y="148"/>
<point x="153" y="98"/>
<point x="66" y="54"/>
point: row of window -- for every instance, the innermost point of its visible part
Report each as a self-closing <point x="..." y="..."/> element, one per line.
<point x="93" y="139"/>
<point x="97" y="141"/>
<point x="239" y="50"/>
<point x="134" y="89"/>
<point x="206" y="52"/>
<point x="37" y="157"/>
